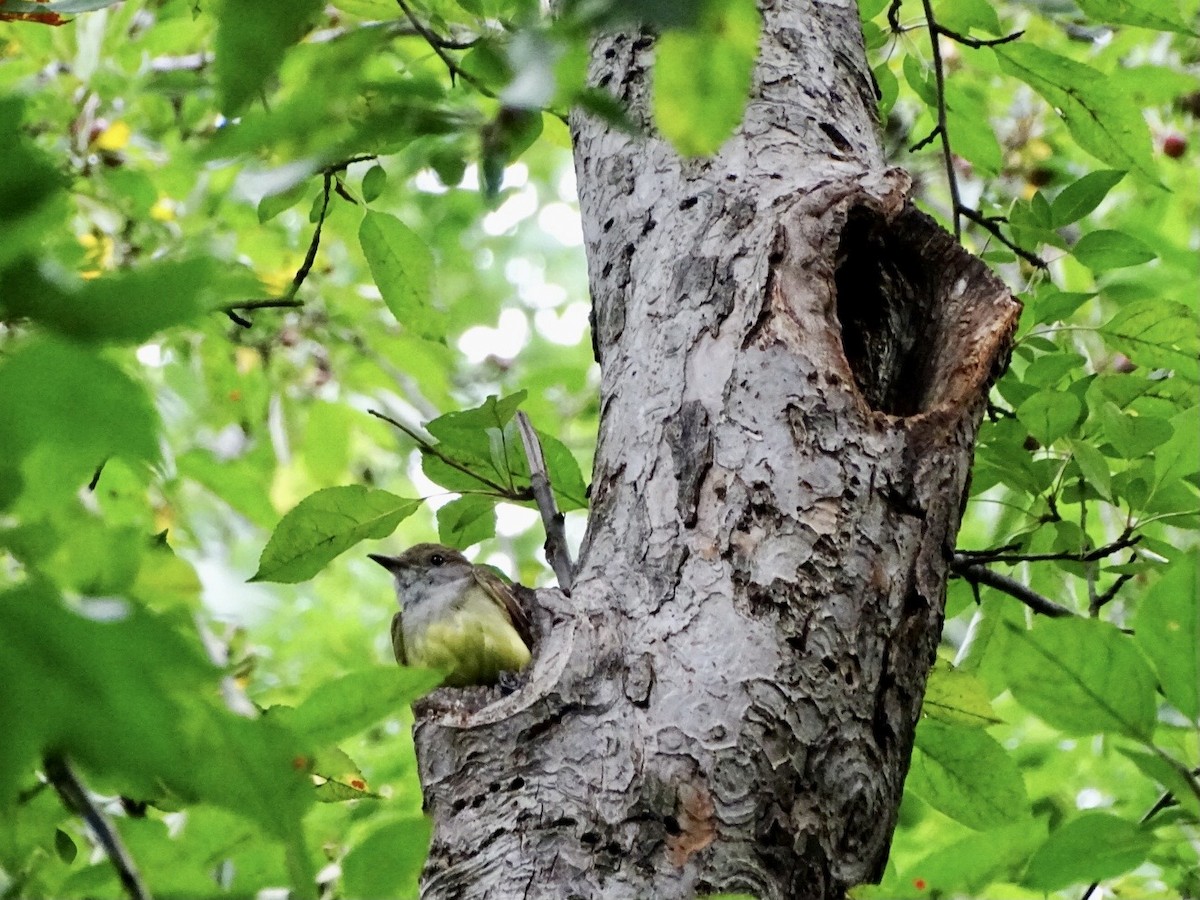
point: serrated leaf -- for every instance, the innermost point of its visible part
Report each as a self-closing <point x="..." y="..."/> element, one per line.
<point x="402" y="267"/>
<point x="1092" y="847"/>
<point x="273" y="204"/>
<point x="1157" y="334"/>
<point x="1049" y="415"/>
<point x="702" y="77"/>
<point x="957" y="698"/>
<point x="326" y="524"/>
<point x="348" y="705"/>
<point x="467" y="520"/>
<point x="1083" y="676"/>
<point x="1167" y="627"/>
<point x="966" y="774"/>
<point x="1101" y="251"/>
<point x="1080" y="197"/>
<point x="1102" y="120"/>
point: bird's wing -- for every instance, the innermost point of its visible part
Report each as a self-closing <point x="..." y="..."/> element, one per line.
<point x="398" y="639"/>
<point x="502" y="595"/>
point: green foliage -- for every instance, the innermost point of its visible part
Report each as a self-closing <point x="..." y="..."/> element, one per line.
<point x="389" y="229"/>
<point x="1085" y="484"/>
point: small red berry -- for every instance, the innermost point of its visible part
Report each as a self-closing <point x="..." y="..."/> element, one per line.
<point x="1174" y="145"/>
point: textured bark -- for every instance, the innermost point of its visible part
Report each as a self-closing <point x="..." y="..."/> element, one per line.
<point x="794" y="366"/>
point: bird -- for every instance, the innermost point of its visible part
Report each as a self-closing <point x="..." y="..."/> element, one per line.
<point x="455" y="616"/>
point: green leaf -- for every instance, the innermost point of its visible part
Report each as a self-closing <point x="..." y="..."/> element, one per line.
<point x="1153" y="14"/>
<point x="349" y="705"/>
<point x="563" y="471"/>
<point x="1081" y="197"/>
<point x="273" y="204"/>
<point x="373" y="183"/>
<point x="1049" y="415"/>
<point x="1171" y="774"/>
<point x="120" y="308"/>
<point x="467" y="520"/>
<point x="326" y="524"/>
<point x="1104" y="122"/>
<point x="969" y="865"/>
<point x="1167" y="627"/>
<point x="963" y="15"/>
<point x="1092" y="847"/>
<point x="702" y="77"/>
<point x="1083" y="676"/>
<point x="1094" y="467"/>
<point x="1132" y="436"/>
<point x="402" y="267"/>
<point x="965" y="773"/>
<point x="77" y="406"/>
<point x="125" y="695"/>
<point x="957" y="698"/>
<point x="1158" y="334"/>
<point x="1101" y="251"/>
<point x="251" y="40"/>
<point x="388" y="862"/>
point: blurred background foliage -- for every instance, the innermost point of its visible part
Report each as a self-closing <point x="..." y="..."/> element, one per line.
<point x="176" y="375"/>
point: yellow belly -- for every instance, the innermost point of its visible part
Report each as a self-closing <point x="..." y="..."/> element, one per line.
<point x="474" y="644"/>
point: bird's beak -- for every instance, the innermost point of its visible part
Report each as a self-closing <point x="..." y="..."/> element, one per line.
<point x="390" y="563"/>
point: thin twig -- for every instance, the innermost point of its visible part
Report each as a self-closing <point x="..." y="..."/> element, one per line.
<point x="993" y="556"/>
<point x="311" y="256"/>
<point x="976" y="43"/>
<point x="927" y="140"/>
<point x="991" y="227"/>
<point x="940" y="78"/>
<point x="977" y="574"/>
<point x="76" y="798"/>
<point x="438" y="46"/>
<point x="557" y="553"/>
<point x="1104" y="599"/>
<point x="269" y="303"/>
<point x="432" y="450"/>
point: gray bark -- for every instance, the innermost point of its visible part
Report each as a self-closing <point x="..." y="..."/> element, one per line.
<point x="794" y="366"/>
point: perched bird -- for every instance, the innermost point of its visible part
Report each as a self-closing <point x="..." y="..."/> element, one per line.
<point x="455" y="616"/>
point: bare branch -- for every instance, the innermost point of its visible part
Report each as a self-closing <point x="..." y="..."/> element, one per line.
<point x="1003" y="556"/>
<point x="947" y="156"/>
<point x="439" y="46"/>
<point x="992" y="228"/>
<point x="976" y="43"/>
<point x="557" y="553"/>
<point x="978" y="574"/>
<point x="76" y="798"/>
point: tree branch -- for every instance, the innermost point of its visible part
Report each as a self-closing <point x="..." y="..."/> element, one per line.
<point x="947" y="156"/>
<point x="557" y="553"/>
<point x="1003" y="556"/>
<point x="976" y="43"/>
<point x="439" y="45"/>
<point x="992" y="228"/>
<point x="974" y="573"/>
<point x="76" y="798"/>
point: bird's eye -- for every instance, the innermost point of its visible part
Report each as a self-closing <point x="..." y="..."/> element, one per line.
<point x="437" y="559"/>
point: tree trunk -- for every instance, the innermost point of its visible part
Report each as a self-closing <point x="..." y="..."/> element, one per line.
<point x="794" y="365"/>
